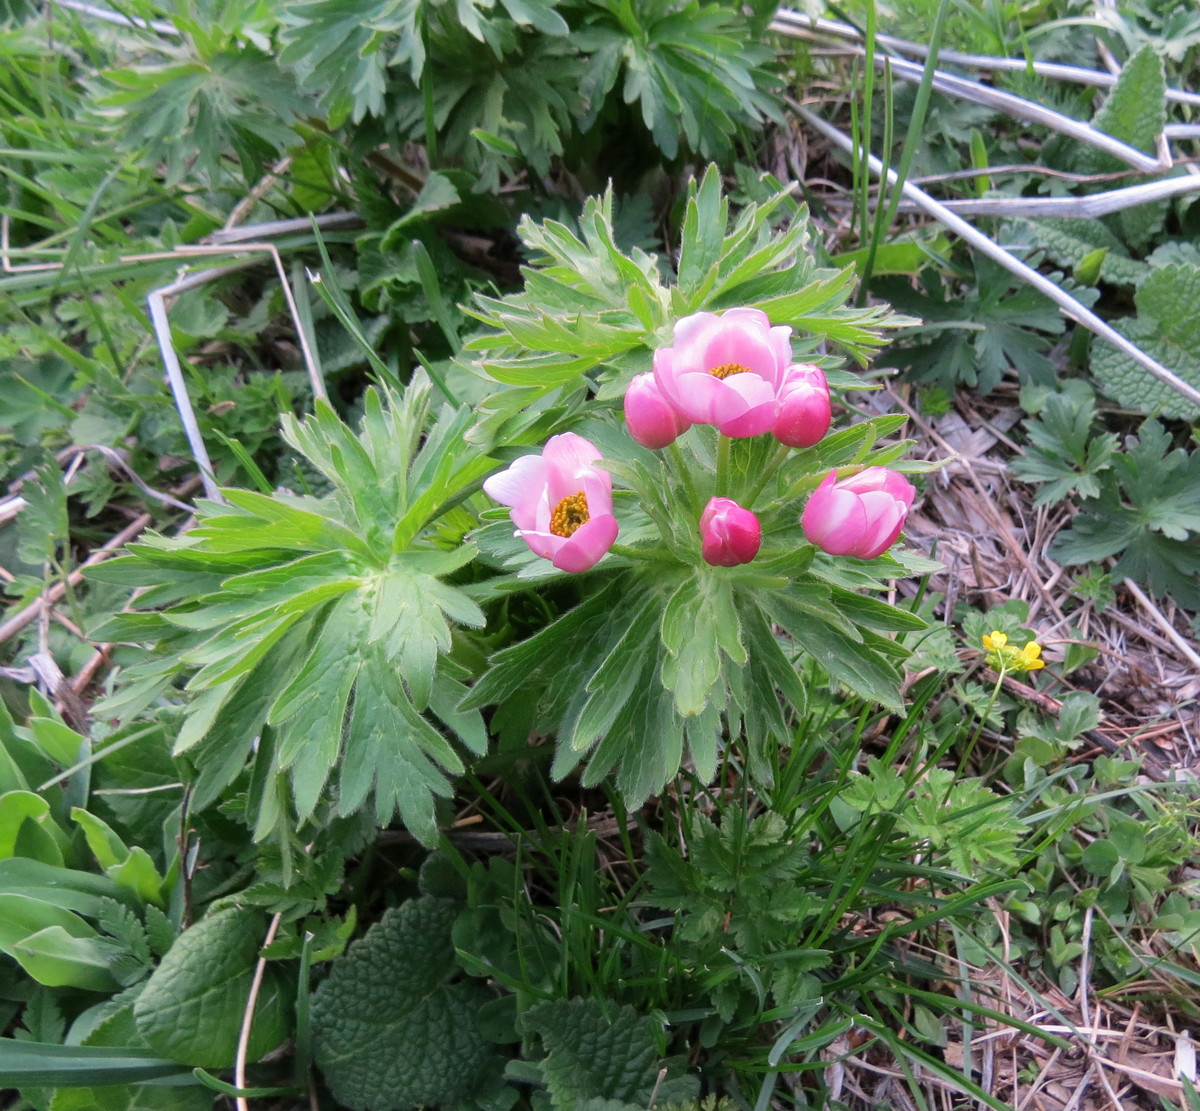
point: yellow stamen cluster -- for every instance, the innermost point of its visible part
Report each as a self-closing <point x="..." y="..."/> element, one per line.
<point x="570" y="514"/>
<point x="1004" y="657"/>
<point x="726" y="369"/>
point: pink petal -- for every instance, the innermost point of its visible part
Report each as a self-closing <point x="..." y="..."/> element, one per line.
<point x="597" y="488"/>
<point x="751" y="348"/>
<point x="754" y="422"/>
<point x="544" y="544"/>
<point x="781" y="343"/>
<point x="519" y="487"/>
<point x="569" y="454"/>
<point x="587" y="546"/>
<point x="692" y="329"/>
<point x="693" y="396"/>
<point x="836" y="523"/>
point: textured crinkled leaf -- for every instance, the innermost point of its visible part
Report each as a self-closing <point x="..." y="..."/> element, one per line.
<point x="1136" y="109"/>
<point x="1068" y="242"/>
<point x="594" y="1051"/>
<point x="191" y="1008"/>
<point x="1167" y="328"/>
<point x="390" y="1029"/>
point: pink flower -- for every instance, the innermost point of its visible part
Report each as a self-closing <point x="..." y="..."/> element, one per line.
<point x="651" y="420"/>
<point x="859" y="516"/>
<point x="729" y="534"/>
<point x="561" y="503"/>
<point x="725" y="370"/>
<point x="804" y="414"/>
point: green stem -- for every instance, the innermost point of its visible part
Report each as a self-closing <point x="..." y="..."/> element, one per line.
<point x="724" y="446"/>
<point x="684" y="473"/>
<point x="776" y="461"/>
<point x="810" y="482"/>
<point x="966" y="756"/>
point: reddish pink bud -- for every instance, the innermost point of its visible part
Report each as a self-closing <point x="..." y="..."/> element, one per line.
<point x="652" y="421"/>
<point x="729" y="534"/>
<point x="860" y="516"/>
<point x="804" y="414"/>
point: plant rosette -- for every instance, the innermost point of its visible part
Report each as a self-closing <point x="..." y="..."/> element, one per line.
<point x="729" y="531"/>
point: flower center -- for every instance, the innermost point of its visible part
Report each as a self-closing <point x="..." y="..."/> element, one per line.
<point x="726" y="369"/>
<point x="569" y="515"/>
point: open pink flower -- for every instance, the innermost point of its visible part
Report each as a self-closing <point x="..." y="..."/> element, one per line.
<point x="561" y="503"/>
<point x="652" y="421"/>
<point x="729" y="534"/>
<point x="859" y="516"/>
<point x="725" y="370"/>
<point x="804" y="412"/>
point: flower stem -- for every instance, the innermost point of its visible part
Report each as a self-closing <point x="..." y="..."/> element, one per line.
<point x="810" y="482"/>
<point x="776" y="461"/>
<point x="724" y="445"/>
<point x="962" y="763"/>
<point x="685" y="475"/>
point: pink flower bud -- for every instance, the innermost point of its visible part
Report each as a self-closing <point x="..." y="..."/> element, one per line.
<point x="804" y="414"/>
<point x="860" y="516"/>
<point x="652" y="421"/>
<point x="729" y="534"/>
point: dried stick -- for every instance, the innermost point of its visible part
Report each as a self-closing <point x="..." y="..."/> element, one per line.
<point x="1169" y="630"/>
<point x="239" y="1069"/>
<point x="1011" y="105"/>
<point x="23" y="617"/>
<point x="1077" y="74"/>
<point x="158" y="26"/>
<point x="1099" y="204"/>
<point x="982" y="243"/>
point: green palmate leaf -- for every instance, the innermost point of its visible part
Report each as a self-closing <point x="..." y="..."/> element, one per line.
<point x="686" y="66"/>
<point x="230" y="98"/>
<point x="729" y="885"/>
<point x="305" y="610"/>
<point x="1063" y="454"/>
<point x="191" y="1008"/>
<point x="393" y="1026"/>
<point x="343" y="49"/>
<point x="589" y="308"/>
<point x="1147" y="512"/>
<point x="689" y="634"/>
<point x="598" y="1051"/>
<point x="975" y="336"/>
<point x="850" y="654"/>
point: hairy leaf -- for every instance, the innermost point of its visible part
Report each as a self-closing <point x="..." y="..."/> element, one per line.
<point x="393" y="1028"/>
<point x="598" y="1051"/>
<point x="192" y="1006"/>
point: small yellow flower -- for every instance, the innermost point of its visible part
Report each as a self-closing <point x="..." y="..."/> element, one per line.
<point x="995" y="642"/>
<point x="1005" y="657"/>
<point x="1027" y="659"/>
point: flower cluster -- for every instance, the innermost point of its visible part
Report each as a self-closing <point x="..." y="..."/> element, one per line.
<point x="1004" y="657"/>
<point x="733" y="371"/>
